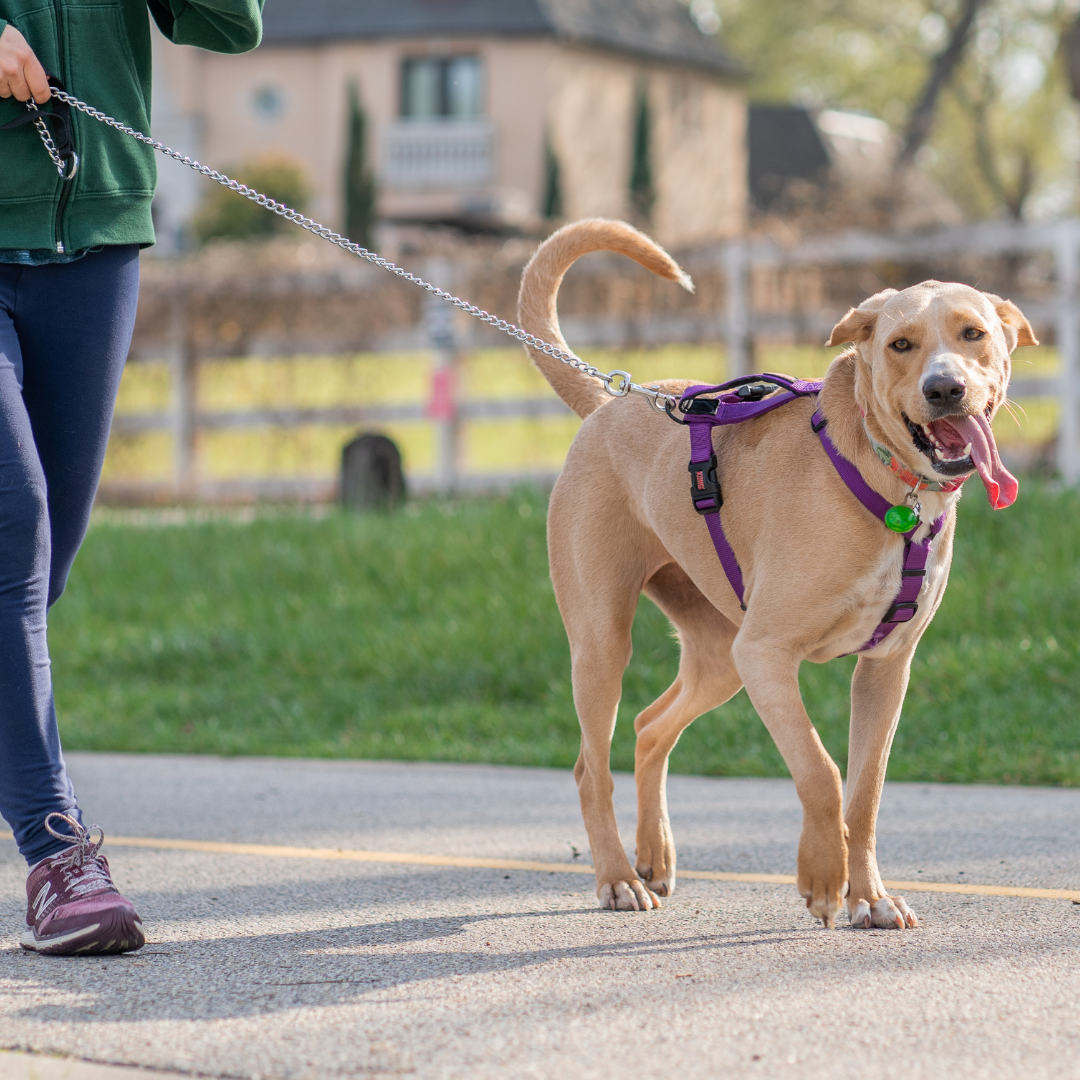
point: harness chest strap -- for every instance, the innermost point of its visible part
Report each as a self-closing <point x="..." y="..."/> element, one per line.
<point x="707" y="497"/>
<point x="913" y="571"/>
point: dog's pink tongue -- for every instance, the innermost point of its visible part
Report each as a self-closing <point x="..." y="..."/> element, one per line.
<point x="1001" y="486"/>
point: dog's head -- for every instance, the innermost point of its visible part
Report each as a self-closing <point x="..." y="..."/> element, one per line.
<point x="932" y="367"/>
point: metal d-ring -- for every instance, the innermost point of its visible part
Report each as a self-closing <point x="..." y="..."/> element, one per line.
<point x="625" y="382"/>
<point x="73" y="164"/>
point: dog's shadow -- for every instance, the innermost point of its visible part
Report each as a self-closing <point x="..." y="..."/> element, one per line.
<point x="265" y="973"/>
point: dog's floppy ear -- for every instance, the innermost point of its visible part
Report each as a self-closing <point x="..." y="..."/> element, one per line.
<point x="1017" y="329"/>
<point x="858" y="323"/>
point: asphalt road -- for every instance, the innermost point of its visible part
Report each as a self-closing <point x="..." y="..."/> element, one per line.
<point x="275" y="967"/>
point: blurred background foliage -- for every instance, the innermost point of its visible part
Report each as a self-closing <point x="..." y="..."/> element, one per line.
<point x="223" y="215"/>
<point x="1005" y="136"/>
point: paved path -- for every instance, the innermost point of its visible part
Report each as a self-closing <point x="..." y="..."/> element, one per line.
<point x="282" y="967"/>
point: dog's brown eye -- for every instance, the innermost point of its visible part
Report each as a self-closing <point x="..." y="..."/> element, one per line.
<point x="973" y="333"/>
<point x="901" y="344"/>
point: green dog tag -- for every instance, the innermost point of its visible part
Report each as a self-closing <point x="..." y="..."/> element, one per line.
<point x="901" y="519"/>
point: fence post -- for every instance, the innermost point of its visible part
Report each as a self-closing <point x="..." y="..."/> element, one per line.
<point x="183" y="390"/>
<point x="739" y="342"/>
<point x="443" y="406"/>
<point x="1067" y="259"/>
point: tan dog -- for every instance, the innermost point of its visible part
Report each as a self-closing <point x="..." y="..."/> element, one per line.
<point x="929" y="369"/>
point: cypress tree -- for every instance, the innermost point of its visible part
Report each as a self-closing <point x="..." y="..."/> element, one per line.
<point x="642" y="193"/>
<point x="359" y="182"/>
<point x="553" y="204"/>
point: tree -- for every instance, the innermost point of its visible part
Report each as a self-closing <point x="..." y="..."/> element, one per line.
<point x="977" y="86"/>
<point x="941" y="70"/>
<point x="359" y="181"/>
<point x="1008" y="109"/>
<point x="553" y="203"/>
<point x="642" y="193"/>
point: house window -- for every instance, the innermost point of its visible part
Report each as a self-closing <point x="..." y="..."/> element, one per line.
<point x="442" y="88"/>
<point x="268" y="102"/>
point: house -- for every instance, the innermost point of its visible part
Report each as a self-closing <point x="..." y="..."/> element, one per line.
<point x="784" y="145"/>
<point x="492" y="113"/>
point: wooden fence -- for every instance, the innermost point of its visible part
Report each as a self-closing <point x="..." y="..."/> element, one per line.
<point x="734" y="322"/>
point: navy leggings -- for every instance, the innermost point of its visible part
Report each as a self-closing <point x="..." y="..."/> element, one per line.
<point x="64" y="335"/>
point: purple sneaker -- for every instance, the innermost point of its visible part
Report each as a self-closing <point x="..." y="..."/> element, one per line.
<point x="72" y="905"/>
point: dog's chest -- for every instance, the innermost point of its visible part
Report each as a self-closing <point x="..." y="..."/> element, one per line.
<point x="873" y="592"/>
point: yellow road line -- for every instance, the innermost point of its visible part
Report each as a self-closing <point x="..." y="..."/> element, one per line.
<point x="276" y="851"/>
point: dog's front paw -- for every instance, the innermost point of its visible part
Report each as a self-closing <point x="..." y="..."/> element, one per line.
<point x="888" y="913"/>
<point x="627" y="896"/>
<point x="823" y="873"/>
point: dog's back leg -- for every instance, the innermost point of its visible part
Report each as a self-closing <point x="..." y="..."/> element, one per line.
<point x="707" y="678"/>
<point x="598" y="570"/>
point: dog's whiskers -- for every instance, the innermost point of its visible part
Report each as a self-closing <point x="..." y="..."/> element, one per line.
<point x="1010" y="407"/>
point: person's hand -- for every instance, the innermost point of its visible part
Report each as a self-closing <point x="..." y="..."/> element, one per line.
<point x="21" y="73"/>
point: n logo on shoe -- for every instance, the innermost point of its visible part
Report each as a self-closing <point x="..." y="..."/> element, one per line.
<point x="43" y="900"/>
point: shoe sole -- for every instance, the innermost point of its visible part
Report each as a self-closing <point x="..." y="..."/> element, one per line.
<point x="118" y="932"/>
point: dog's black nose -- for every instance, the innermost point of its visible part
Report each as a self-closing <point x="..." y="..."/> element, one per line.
<point x="944" y="390"/>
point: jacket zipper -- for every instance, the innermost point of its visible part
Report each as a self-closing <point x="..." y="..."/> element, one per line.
<point x="64" y="185"/>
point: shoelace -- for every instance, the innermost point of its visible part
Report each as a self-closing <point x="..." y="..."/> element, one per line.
<point x="84" y="870"/>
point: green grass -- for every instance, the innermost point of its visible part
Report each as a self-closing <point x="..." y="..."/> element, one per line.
<point x="434" y="635"/>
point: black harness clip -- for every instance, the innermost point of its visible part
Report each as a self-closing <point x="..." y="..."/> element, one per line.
<point x="753" y="391"/>
<point x="705" y="487"/>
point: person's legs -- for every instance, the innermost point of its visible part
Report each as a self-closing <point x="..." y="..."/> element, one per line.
<point x="33" y="781"/>
<point x="68" y="327"/>
<point x="75" y="325"/>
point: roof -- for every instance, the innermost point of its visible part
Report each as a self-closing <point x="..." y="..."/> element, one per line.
<point x="656" y="29"/>
<point x="785" y="144"/>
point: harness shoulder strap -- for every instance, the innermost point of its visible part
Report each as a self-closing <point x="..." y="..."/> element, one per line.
<point x="739" y="400"/>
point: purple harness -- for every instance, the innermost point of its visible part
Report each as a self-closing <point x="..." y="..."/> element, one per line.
<point x="744" y="400"/>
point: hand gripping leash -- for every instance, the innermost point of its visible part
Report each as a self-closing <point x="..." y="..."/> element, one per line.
<point x="617" y="383"/>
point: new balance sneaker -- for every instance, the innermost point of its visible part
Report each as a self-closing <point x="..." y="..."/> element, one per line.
<point x="72" y="905"/>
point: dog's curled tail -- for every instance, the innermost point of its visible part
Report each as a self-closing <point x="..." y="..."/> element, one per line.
<point x="540" y="283"/>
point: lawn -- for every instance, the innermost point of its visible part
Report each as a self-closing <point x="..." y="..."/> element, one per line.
<point x="433" y="634"/>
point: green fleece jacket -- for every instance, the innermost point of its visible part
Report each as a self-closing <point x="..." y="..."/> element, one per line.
<point x="100" y="49"/>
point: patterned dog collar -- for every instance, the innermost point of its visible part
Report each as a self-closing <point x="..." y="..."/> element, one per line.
<point x="913" y="480"/>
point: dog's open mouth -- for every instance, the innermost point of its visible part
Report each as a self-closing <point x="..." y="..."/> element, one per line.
<point x="956" y="445"/>
<point x="947" y="450"/>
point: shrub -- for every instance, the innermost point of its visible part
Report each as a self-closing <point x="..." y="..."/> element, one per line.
<point x="225" y="214"/>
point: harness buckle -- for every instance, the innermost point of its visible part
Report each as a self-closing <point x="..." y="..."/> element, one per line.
<point x="705" y="491"/>
<point x="910" y="606"/>
<point x="753" y="392"/>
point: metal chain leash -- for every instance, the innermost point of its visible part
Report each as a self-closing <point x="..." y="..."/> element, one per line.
<point x="47" y="139"/>
<point x="617" y="383"/>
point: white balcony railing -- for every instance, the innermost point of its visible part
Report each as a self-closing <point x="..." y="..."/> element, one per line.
<point x="434" y="154"/>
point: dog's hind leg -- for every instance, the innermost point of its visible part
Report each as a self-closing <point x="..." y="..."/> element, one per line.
<point x="706" y="679"/>
<point x="877" y="694"/>
<point x="597" y="596"/>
